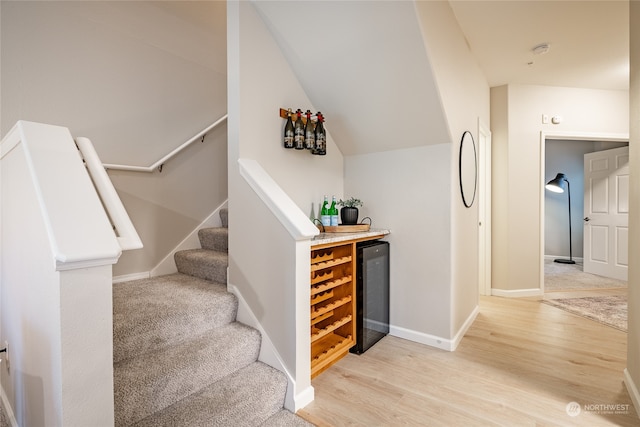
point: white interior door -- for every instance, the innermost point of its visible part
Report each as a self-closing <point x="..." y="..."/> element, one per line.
<point x="606" y="210"/>
<point x="484" y="209"/>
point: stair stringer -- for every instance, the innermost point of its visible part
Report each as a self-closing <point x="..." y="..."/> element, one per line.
<point x="294" y="399"/>
<point x="168" y="265"/>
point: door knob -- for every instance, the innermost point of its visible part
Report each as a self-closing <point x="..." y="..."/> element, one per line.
<point x="587" y="219"/>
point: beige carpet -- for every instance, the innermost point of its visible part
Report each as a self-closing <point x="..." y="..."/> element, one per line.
<point x="608" y="310"/>
<point x="562" y="277"/>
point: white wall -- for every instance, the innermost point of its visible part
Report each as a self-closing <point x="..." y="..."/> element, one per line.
<point x="464" y="94"/>
<point x="264" y="261"/>
<point x="419" y="217"/>
<point x="121" y="73"/>
<point x="138" y="79"/>
<point x="517" y="158"/>
<point x="632" y="373"/>
<point x="434" y="249"/>
<point x="347" y="57"/>
<point x="267" y="84"/>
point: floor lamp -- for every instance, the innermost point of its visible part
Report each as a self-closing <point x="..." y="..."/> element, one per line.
<point x="557" y="186"/>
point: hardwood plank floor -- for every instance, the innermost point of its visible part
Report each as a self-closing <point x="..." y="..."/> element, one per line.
<point x="520" y="364"/>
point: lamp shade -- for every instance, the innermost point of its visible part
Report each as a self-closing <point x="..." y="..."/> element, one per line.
<point x="557" y="184"/>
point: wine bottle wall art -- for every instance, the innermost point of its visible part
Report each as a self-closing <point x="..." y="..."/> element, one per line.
<point x="302" y="132"/>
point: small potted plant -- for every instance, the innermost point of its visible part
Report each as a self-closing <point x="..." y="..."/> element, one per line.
<point x="349" y="211"/>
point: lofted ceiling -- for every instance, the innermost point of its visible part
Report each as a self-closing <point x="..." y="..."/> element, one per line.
<point x="588" y="47"/>
<point x="588" y="41"/>
<point x="363" y="64"/>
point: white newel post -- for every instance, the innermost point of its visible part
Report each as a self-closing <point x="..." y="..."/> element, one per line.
<point x="87" y="346"/>
<point x="58" y="248"/>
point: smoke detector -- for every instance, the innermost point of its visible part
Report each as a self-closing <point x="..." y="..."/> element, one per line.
<point x="541" y="49"/>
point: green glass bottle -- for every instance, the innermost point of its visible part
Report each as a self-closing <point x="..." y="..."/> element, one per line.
<point x="333" y="212"/>
<point x="325" y="218"/>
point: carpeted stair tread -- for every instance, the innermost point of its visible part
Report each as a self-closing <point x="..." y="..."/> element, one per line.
<point x="285" y="418"/>
<point x="150" y="314"/>
<point x="247" y="397"/>
<point x="153" y="381"/>
<point x="180" y="357"/>
<point x="214" y="238"/>
<point x="203" y="263"/>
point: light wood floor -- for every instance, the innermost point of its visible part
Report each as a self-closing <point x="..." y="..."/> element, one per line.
<point x="520" y="364"/>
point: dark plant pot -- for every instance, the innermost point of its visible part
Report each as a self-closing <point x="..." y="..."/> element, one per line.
<point x="349" y="215"/>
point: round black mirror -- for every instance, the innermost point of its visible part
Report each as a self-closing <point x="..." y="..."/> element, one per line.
<point x="468" y="169"/>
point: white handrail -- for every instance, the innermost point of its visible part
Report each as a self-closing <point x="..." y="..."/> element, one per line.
<point x="163" y="160"/>
<point x="274" y="197"/>
<point x="125" y="231"/>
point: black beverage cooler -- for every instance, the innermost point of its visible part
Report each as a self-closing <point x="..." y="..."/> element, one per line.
<point x="372" y="294"/>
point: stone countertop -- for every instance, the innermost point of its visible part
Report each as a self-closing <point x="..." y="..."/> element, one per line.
<point x="324" y="238"/>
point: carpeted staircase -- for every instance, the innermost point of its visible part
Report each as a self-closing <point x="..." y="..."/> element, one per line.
<point x="180" y="356"/>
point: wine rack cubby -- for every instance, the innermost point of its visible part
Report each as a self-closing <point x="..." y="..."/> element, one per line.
<point x="332" y="304"/>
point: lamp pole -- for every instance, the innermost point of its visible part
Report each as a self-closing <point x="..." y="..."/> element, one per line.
<point x="569" y="194"/>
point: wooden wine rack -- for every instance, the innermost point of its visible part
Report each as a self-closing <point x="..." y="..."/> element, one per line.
<point x="332" y="303"/>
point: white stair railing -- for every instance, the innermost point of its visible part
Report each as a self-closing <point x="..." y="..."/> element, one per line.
<point x="158" y="165"/>
<point x="125" y="231"/>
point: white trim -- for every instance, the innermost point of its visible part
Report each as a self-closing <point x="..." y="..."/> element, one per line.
<point x="433" y="340"/>
<point x="420" y="337"/>
<point x="278" y="202"/>
<point x="484" y="207"/>
<point x="465" y="327"/>
<point x="11" y="140"/>
<point x="168" y="265"/>
<point x="517" y="293"/>
<point x="66" y="228"/>
<point x="130" y="277"/>
<point x="63" y="265"/>
<point x="294" y="399"/>
<point x="573" y="136"/>
<point x="6" y="407"/>
<point x="632" y="389"/>
<point x="128" y="237"/>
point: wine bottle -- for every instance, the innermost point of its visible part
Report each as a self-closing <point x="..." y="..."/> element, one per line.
<point x="309" y="133"/>
<point x="288" y="131"/>
<point x="298" y="132"/>
<point x="321" y="137"/>
<point x="333" y="212"/>
<point x="324" y="213"/>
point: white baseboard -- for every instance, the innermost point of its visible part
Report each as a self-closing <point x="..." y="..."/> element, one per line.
<point x="632" y="389"/>
<point x="130" y="277"/>
<point x="294" y="399"/>
<point x="168" y="265"/>
<point x="433" y="340"/>
<point x="465" y="327"/>
<point x="422" y="338"/>
<point x="6" y="407"/>
<point x="517" y="293"/>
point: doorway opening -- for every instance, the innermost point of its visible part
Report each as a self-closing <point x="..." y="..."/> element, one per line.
<point x="562" y="236"/>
